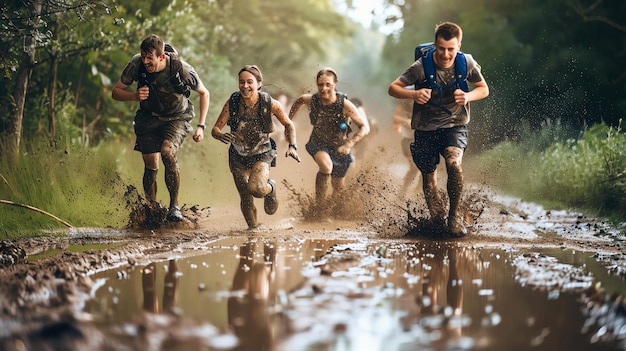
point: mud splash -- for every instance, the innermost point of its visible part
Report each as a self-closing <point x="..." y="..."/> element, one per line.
<point x="143" y="215"/>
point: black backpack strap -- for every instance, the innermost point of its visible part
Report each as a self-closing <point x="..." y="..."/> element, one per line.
<point x="233" y="110"/>
<point x="265" y="111"/>
<point x="315" y="108"/>
<point x="178" y="76"/>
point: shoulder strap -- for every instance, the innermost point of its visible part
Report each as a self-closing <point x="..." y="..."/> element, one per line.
<point x="265" y="111"/>
<point x="430" y="73"/>
<point x="178" y="76"/>
<point x="460" y="71"/>
<point x="233" y="110"/>
<point x="145" y="77"/>
<point x="315" y="107"/>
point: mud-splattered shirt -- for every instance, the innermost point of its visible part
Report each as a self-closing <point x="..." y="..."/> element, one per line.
<point x="252" y="133"/>
<point x="327" y="122"/>
<point x="174" y="105"/>
<point x="428" y="117"/>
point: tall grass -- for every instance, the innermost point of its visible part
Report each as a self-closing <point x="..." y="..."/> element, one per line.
<point x="80" y="186"/>
<point x="587" y="172"/>
<point x="86" y="186"/>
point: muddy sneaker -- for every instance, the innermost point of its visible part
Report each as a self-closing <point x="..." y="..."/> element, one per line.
<point x="174" y="214"/>
<point x="270" y="202"/>
<point x="457" y="227"/>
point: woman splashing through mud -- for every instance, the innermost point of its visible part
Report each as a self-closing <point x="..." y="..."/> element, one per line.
<point x="330" y="144"/>
<point x="248" y="112"/>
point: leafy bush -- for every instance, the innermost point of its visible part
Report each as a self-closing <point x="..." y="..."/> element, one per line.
<point x="588" y="172"/>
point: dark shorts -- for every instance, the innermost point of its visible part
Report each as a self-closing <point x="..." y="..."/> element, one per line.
<point x="428" y="146"/>
<point x="341" y="163"/>
<point x="236" y="161"/>
<point x="152" y="131"/>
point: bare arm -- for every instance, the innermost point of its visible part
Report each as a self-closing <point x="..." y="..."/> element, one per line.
<point x="302" y="100"/>
<point x="120" y="93"/>
<point x="222" y="119"/>
<point x="359" y="120"/>
<point x="398" y="90"/>
<point x="290" y="129"/>
<point x="204" y="109"/>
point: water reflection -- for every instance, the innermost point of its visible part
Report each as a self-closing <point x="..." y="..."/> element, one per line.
<point x="170" y="288"/>
<point x="249" y="311"/>
<point x="352" y="295"/>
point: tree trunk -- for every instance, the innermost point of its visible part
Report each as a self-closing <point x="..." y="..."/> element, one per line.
<point x="19" y="96"/>
<point x="21" y="86"/>
<point x="52" y="89"/>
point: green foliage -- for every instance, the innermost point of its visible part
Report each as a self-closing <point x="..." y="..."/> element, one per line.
<point x="79" y="186"/>
<point x="588" y="172"/>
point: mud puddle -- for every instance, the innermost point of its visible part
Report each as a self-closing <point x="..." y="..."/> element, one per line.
<point x="252" y="294"/>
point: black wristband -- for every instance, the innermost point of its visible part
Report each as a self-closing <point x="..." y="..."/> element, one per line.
<point x="294" y="146"/>
<point x="202" y="126"/>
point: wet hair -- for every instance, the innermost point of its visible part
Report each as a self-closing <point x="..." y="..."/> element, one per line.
<point x="153" y="42"/>
<point x="327" y="72"/>
<point x="448" y="30"/>
<point x="254" y="70"/>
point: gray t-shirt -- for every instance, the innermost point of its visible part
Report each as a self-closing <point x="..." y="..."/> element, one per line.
<point x="428" y="117"/>
<point x="175" y="104"/>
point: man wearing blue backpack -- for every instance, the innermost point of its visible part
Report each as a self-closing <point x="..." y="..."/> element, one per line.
<point x="441" y="112"/>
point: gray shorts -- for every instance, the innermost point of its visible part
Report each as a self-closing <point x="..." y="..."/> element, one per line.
<point x="429" y="145"/>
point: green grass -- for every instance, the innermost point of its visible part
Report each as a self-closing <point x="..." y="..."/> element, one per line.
<point x="81" y="187"/>
<point x="587" y="173"/>
<point x="85" y="186"/>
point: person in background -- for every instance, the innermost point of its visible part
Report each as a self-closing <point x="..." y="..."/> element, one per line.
<point x="164" y="115"/>
<point x="248" y="112"/>
<point x="361" y="148"/>
<point x="402" y="126"/>
<point x="330" y="143"/>
<point x="440" y="119"/>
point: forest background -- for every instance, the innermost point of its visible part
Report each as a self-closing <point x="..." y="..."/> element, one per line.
<point x="549" y="132"/>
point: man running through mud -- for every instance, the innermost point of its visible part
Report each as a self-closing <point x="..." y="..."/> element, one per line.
<point x="165" y="112"/>
<point x="440" y="117"/>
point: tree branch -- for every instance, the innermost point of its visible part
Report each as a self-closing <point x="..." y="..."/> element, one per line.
<point x="7" y="202"/>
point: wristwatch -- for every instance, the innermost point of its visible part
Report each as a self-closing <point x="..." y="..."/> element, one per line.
<point x="294" y="146"/>
<point x="202" y="126"/>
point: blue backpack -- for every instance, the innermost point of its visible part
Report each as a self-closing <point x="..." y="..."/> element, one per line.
<point x="426" y="51"/>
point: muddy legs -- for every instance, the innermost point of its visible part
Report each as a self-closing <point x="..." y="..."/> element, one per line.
<point x="322" y="187"/>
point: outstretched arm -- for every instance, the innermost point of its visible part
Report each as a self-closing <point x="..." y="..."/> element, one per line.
<point x="302" y="100"/>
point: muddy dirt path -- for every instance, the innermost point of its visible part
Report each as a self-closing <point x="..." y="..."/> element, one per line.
<point x="43" y="289"/>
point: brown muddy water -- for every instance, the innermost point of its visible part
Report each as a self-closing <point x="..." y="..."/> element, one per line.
<point x="252" y="294"/>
